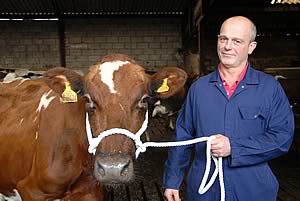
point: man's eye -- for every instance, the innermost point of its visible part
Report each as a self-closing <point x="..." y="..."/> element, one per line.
<point x="223" y="39"/>
<point x="237" y="42"/>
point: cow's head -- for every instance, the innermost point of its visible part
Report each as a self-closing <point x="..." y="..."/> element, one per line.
<point x="119" y="90"/>
<point x="117" y="93"/>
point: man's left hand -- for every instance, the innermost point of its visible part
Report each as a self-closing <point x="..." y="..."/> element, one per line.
<point x="220" y="146"/>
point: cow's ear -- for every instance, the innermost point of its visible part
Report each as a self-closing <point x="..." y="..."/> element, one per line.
<point x="168" y="81"/>
<point x="58" y="79"/>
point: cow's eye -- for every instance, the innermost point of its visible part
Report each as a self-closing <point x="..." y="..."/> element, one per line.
<point x="91" y="108"/>
<point x="90" y="104"/>
<point x="143" y="103"/>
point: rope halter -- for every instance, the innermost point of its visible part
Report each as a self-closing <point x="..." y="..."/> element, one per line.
<point x="141" y="147"/>
<point x="94" y="142"/>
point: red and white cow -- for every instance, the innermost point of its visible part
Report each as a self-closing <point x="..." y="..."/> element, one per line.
<point x="43" y="137"/>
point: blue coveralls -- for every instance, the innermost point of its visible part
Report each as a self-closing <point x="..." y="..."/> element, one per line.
<point x="259" y="123"/>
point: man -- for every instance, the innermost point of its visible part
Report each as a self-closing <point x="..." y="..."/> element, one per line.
<point x="248" y="113"/>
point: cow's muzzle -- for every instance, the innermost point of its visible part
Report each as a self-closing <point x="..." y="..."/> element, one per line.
<point x="113" y="168"/>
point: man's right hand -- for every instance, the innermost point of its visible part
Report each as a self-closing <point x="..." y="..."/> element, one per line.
<point x="172" y="195"/>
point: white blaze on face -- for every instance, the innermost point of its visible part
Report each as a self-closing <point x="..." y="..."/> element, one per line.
<point x="107" y="70"/>
<point x="45" y="101"/>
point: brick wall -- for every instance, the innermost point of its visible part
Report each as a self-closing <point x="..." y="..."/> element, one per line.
<point x="153" y="42"/>
<point x="28" y="44"/>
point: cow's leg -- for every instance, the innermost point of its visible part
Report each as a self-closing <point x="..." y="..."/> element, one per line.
<point x="44" y="185"/>
<point x="86" y="189"/>
<point x="30" y="190"/>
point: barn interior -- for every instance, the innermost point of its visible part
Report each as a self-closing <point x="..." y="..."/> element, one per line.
<point x="38" y="35"/>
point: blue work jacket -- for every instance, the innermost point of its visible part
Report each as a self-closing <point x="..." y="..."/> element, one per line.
<point x="259" y="123"/>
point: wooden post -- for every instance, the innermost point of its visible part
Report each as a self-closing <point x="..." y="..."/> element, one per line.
<point x="198" y="16"/>
<point x="62" y="44"/>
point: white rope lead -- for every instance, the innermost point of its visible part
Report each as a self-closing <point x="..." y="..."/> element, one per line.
<point x="204" y="186"/>
<point x="141" y="147"/>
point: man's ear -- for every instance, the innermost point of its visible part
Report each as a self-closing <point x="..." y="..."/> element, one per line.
<point x="252" y="46"/>
<point x="168" y="81"/>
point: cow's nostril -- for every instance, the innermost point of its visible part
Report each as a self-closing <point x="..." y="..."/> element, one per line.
<point x="100" y="169"/>
<point x="125" y="169"/>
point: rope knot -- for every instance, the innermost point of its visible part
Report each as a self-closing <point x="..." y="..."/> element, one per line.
<point x="140" y="148"/>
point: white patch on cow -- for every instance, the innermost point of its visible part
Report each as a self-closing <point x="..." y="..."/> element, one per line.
<point x="35" y="118"/>
<point x="157" y="103"/>
<point x="37" y="132"/>
<point x="15" y="197"/>
<point x="107" y="70"/>
<point x="21" y="121"/>
<point x="21" y="81"/>
<point x="159" y="110"/>
<point x="9" y="77"/>
<point x="121" y="106"/>
<point x="36" y="135"/>
<point x="45" y="101"/>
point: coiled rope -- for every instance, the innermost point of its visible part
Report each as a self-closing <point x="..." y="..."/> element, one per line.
<point x="141" y="147"/>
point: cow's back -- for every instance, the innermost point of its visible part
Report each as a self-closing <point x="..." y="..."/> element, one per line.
<point x="19" y="102"/>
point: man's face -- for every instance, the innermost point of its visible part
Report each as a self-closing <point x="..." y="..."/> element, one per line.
<point x="234" y="43"/>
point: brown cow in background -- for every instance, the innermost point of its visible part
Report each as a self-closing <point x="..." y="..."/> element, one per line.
<point x="43" y="138"/>
<point x="168" y="108"/>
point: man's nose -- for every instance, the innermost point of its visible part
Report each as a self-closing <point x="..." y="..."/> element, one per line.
<point x="228" y="44"/>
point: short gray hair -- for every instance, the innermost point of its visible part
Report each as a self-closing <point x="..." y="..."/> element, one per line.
<point x="253" y="31"/>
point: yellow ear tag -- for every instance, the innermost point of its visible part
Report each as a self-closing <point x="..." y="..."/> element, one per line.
<point x="164" y="87"/>
<point x="68" y="96"/>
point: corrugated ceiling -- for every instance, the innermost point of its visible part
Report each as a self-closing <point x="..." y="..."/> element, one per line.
<point x="91" y="7"/>
<point x="54" y="8"/>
